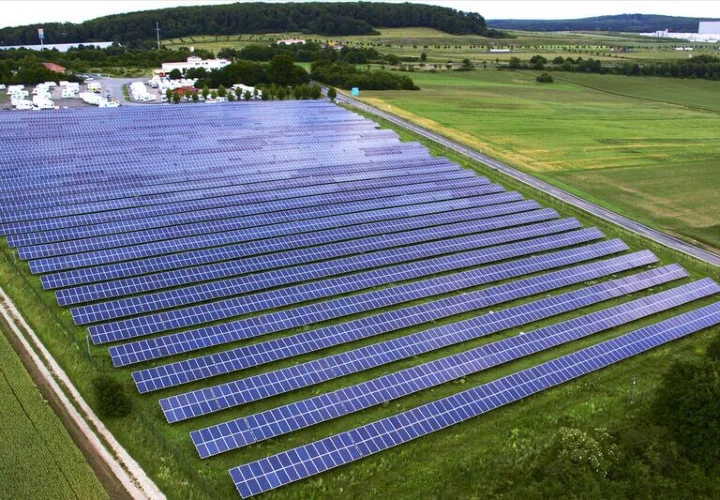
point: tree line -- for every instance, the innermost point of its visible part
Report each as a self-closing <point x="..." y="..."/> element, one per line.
<point x="347" y="76"/>
<point x="322" y="18"/>
<point x="309" y="52"/>
<point x="702" y="66"/>
<point x="627" y="23"/>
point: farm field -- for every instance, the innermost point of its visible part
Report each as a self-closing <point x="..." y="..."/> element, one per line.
<point x="642" y="147"/>
<point x="442" y="47"/>
<point x="427" y="467"/>
<point x="38" y="458"/>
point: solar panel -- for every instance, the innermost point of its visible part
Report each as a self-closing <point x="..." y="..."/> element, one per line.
<point x="297" y="415"/>
<point x="435" y="241"/>
<point x="262" y="225"/>
<point x="211" y="399"/>
<point x="308" y="460"/>
<point x="315" y="312"/>
<point x="241" y="358"/>
<point x="207" y="209"/>
<point x="288" y="276"/>
<point x="299" y="243"/>
<point x="107" y="256"/>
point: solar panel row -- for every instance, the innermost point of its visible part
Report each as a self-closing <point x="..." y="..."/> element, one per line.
<point x="136" y="327"/>
<point x="284" y="419"/>
<point x="222" y="396"/>
<point x="294" y="245"/>
<point x="431" y="240"/>
<point x="305" y="178"/>
<point x="243" y="218"/>
<point x="111" y="255"/>
<point x="241" y="358"/>
<point x="225" y="181"/>
<point x="305" y="461"/>
<point x="288" y="276"/>
<point x="119" y="221"/>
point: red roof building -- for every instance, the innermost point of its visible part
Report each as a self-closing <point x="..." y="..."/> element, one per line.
<point x="54" y="67"/>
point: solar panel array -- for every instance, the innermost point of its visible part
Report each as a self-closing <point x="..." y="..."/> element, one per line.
<point x="259" y="233"/>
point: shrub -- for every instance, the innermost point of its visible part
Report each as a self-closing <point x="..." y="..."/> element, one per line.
<point x="544" y="78"/>
<point x="110" y="396"/>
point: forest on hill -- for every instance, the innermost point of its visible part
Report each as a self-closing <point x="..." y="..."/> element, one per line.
<point x="329" y="19"/>
<point x="627" y="23"/>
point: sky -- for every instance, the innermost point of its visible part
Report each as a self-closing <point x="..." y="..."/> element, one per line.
<point x="36" y="12"/>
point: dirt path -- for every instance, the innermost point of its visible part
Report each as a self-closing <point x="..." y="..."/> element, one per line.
<point x="110" y="459"/>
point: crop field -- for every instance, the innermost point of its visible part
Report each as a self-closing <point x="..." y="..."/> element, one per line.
<point x="644" y="147"/>
<point x="135" y="255"/>
<point x="38" y="458"/>
<point x="442" y="47"/>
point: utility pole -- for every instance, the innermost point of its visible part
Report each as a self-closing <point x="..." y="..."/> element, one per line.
<point x="157" y="30"/>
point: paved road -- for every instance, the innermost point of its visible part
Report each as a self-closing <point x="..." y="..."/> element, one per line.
<point x="114" y="86"/>
<point x="653" y="234"/>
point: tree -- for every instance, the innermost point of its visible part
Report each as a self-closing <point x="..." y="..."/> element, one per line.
<point x="280" y="70"/>
<point x="315" y="92"/>
<point x="467" y="65"/>
<point x="247" y="95"/>
<point x="423" y="56"/>
<point x="176" y="97"/>
<point x="538" y="62"/>
<point x="688" y="404"/>
<point x="221" y="91"/>
<point x="195" y="97"/>
<point x="168" y="94"/>
<point x="175" y="74"/>
<point x="515" y="63"/>
<point x="544" y="78"/>
<point x="231" y="97"/>
<point x="332" y="94"/>
<point x="213" y="94"/>
<point x="205" y="91"/>
<point x="110" y="396"/>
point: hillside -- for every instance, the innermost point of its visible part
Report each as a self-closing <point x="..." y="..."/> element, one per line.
<point x="629" y="23"/>
<point x="329" y="19"/>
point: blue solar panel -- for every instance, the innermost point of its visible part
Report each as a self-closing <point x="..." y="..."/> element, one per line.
<point x="257" y="354"/>
<point x="305" y="461"/>
<point x="223" y="238"/>
<point x="281" y="420"/>
<point x="200" y="192"/>
<point x="287" y="379"/>
<point x="262" y="225"/>
<point x="286" y="276"/>
<point x="356" y="303"/>
<point x="424" y="240"/>
<point x="207" y="209"/>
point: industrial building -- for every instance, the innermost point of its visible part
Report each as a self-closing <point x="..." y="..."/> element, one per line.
<point x="709" y="28"/>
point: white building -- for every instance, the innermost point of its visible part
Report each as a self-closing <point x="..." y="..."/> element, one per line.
<point x="194" y="62"/>
<point x="709" y="28"/>
<point x="291" y="41"/>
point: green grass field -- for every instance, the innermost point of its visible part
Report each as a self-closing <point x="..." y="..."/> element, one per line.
<point x="442" y="47"/>
<point x="645" y="147"/>
<point x="38" y="458"/>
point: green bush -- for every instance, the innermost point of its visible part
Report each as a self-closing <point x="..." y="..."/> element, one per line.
<point x="544" y="78"/>
<point x="110" y="396"/>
